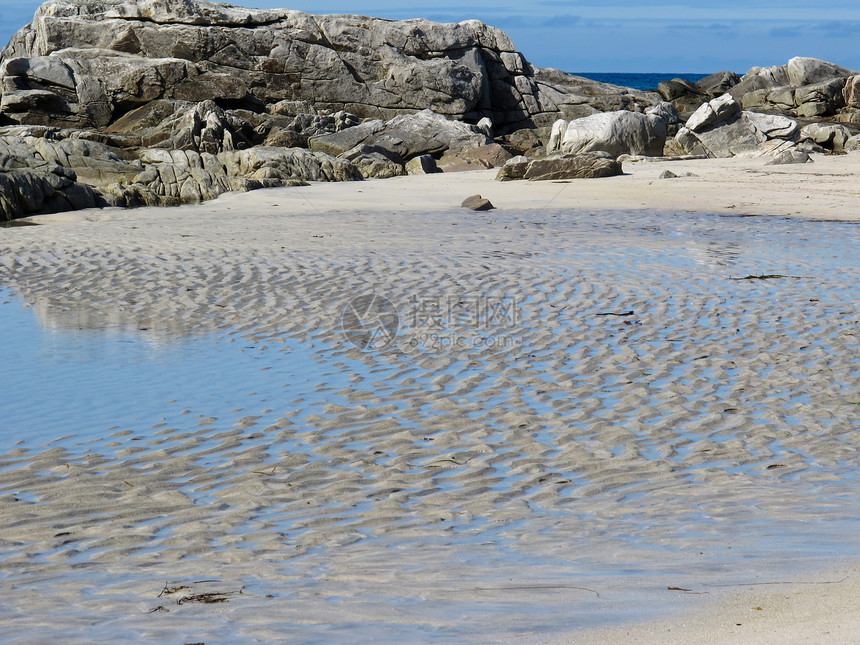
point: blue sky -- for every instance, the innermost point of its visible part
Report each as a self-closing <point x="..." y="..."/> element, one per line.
<point x="619" y="35"/>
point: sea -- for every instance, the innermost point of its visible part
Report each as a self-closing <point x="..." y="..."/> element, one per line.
<point x="638" y="81"/>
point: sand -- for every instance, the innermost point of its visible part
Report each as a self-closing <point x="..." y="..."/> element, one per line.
<point x="591" y="405"/>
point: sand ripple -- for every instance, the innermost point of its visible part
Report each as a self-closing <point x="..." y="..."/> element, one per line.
<point x="640" y="409"/>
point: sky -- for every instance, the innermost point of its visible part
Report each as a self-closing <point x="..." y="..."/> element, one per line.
<point x="618" y="35"/>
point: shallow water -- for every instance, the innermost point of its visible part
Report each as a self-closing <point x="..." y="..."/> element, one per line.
<point x="642" y="411"/>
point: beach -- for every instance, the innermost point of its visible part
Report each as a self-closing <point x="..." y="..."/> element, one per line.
<point x="621" y="409"/>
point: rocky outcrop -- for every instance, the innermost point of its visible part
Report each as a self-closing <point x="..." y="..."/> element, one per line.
<point x="587" y="165"/>
<point x="804" y="87"/>
<point x="127" y="102"/>
<point x="27" y="188"/>
<point x="616" y="133"/>
<point x="242" y="90"/>
<point x="87" y="64"/>
<point x="382" y="149"/>
<point x="720" y="128"/>
<point x="45" y="170"/>
<point x="686" y="97"/>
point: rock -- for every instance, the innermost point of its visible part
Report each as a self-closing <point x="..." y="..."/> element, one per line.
<point x="828" y="135"/>
<point x="772" y="126"/>
<point x="684" y="95"/>
<point x="88" y="162"/>
<point x="485" y="125"/>
<point x="530" y="142"/>
<point x="47" y="188"/>
<point x="488" y="156"/>
<point x="789" y="157"/>
<point x="291" y="108"/>
<point x="616" y="133"/>
<point x="26" y="101"/>
<point x="287" y="163"/>
<point x="279" y="131"/>
<point x="514" y="168"/>
<point x="105" y="58"/>
<point x="374" y="163"/>
<point x="819" y="99"/>
<point x="851" y="93"/>
<point x="49" y="70"/>
<point x="477" y="203"/>
<point x="93" y="163"/>
<point x="804" y="87"/>
<point x="743" y="133"/>
<point x="587" y="165"/>
<point x="810" y="147"/>
<point x="714" y="111"/>
<point x="808" y="71"/>
<point x="718" y="84"/>
<point x="160" y="102"/>
<point x="853" y="143"/>
<point x="562" y="95"/>
<point x="180" y="125"/>
<point x="668" y="174"/>
<point x="455" y="164"/>
<point x="665" y="111"/>
<point x="405" y="137"/>
<point x="421" y="165"/>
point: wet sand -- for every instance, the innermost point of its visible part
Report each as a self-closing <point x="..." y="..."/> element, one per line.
<point x="587" y="417"/>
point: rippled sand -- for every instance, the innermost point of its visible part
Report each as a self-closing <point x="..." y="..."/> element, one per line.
<point x="580" y="410"/>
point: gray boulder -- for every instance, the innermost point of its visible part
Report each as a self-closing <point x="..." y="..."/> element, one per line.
<point x="809" y="71"/>
<point x="721" y="129"/>
<point x="851" y="92"/>
<point x="32" y="186"/>
<point x="405" y="137"/>
<point x="828" y="135"/>
<point x="665" y="111"/>
<point x="477" y="203"/>
<point x="853" y="143"/>
<point x="563" y="95"/>
<point x="421" y="165"/>
<point x="684" y="95"/>
<point x="616" y="133"/>
<point x="718" y="84"/>
<point x="714" y="111"/>
<point x="530" y="142"/>
<point x="489" y="156"/>
<point x="89" y="162"/>
<point x="587" y="165"/>
<point x="788" y="157"/>
<point x="287" y="163"/>
<point x="374" y="163"/>
<point x="180" y="125"/>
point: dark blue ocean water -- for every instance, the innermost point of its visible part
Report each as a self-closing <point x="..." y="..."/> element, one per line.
<point x="638" y="81"/>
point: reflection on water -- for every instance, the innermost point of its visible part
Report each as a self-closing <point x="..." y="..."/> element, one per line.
<point x="56" y="315"/>
<point x="82" y="374"/>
